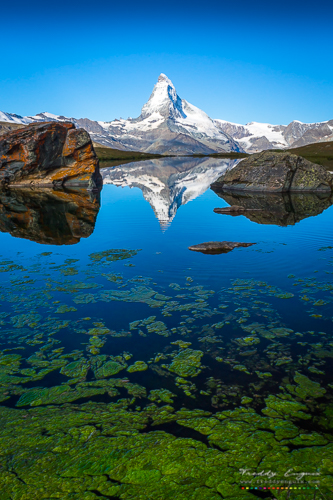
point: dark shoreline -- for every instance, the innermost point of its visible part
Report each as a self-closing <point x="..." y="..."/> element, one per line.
<point x="320" y="153"/>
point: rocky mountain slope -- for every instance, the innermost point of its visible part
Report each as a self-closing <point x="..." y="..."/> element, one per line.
<point x="167" y="124"/>
<point x="171" y="125"/>
<point x="254" y="137"/>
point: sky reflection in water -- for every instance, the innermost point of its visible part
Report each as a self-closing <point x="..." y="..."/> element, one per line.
<point x="129" y="314"/>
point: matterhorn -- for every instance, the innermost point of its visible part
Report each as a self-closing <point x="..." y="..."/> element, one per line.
<point x="170" y="125"/>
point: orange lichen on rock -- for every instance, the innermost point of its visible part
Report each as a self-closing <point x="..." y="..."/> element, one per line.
<point x="49" y="154"/>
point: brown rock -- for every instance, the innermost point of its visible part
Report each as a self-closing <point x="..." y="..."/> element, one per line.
<point x="49" y="154"/>
<point x="276" y="172"/>
<point x="218" y="247"/>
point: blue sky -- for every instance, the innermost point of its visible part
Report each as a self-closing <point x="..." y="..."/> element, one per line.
<point x="239" y="61"/>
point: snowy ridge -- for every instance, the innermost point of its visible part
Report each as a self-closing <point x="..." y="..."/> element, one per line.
<point x="256" y="136"/>
<point x="167" y="124"/>
<point x="12" y="118"/>
<point x="171" y="125"/>
<point x="163" y="101"/>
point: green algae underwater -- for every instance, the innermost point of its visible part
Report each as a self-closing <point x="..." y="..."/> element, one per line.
<point x="172" y="384"/>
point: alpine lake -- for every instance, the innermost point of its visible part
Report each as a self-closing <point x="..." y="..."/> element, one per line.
<point x="134" y="368"/>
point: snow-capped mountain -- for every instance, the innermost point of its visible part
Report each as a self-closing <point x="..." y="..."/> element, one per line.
<point x="12" y="118"/>
<point x="169" y="124"/>
<point x="95" y="130"/>
<point x="168" y="183"/>
<point x="255" y="136"/>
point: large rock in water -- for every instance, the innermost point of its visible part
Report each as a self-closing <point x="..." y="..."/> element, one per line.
<point x="48" y="154"/>
<point x="218" y="247"/>
<point x="276" y="172"/>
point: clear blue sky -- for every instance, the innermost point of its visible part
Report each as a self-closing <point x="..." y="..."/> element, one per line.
<point x="240" y="61"/>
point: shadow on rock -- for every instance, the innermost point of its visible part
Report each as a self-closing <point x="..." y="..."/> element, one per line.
<point x="48" y="216"/>
<point x="281" y="209"/>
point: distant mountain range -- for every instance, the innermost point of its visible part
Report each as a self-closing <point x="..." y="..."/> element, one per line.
<point x="171" y="125"/>
<point x="254" y="136"/>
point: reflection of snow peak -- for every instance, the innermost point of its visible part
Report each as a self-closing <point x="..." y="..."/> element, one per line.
<point x="168" y="183"/>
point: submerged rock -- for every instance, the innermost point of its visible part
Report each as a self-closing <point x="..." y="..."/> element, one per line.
<point x="276" y="172"/>
<point x="48" y="154"/>
<point x="217" y="247"/>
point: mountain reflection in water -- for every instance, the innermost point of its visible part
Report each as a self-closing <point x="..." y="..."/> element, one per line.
<point x="281" y="209"/>
<point x="64" y="217"/>
<point x="47" y="216"/>
<point x="168" y="183"/>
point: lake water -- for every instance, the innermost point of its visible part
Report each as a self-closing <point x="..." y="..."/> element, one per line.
<point x="132" y="367"/>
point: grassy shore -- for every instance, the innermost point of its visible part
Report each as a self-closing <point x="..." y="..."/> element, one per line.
<point x="112" y="157"/>
<point x="231" y="155"/>
<point x="320" y="153"/>
<point x="6" y="127"/>
<point x="108" y="155"/>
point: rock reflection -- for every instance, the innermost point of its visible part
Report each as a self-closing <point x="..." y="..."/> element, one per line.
<point x="47" y="216"/>
<point x="283" y="209"/>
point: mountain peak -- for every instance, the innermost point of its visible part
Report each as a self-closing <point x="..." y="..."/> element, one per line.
<point x="164" y="78"/>
<point x="167" y="123"/>
<point x="164" y="100"/>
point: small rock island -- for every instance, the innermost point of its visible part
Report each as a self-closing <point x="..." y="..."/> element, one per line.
<point x="218" y="247"/>
<point x="273" y="171"/>
<point x="48" y="154"/>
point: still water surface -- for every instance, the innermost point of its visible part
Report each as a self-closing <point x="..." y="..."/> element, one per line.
<point x="117" y="330"/>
